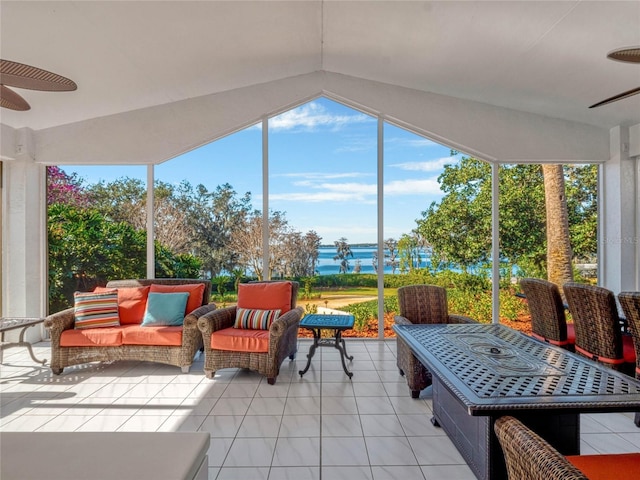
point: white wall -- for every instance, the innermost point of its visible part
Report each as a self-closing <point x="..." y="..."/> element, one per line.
<point x="24" y="271"/>
<point x="618" y="216"/>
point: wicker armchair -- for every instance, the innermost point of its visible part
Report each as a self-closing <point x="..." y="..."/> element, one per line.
<point x="630" y="302"/>
<point x="420" y="304"/>
<point x="529" y="457"/>
<point x="282" y="341"/>
<point x="598" y="327"/>
<point x="548" y="321"/>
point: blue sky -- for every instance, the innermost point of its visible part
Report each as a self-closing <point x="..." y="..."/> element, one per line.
<point x="322" y="171"/>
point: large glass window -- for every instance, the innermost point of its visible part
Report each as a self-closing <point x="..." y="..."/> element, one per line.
<point x="322" y="161"/>
<point x="323" y="202"/>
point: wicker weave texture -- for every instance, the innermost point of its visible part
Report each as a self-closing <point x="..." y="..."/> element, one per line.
<point x="547" y="311"/>
<point x="630" y="302"/>
<point x="529" y="457"/>
<point x="181" y="356"/>
<point x="283" y="341"/>
<point x="596" y="320"/>
<point x="420" y="304"/>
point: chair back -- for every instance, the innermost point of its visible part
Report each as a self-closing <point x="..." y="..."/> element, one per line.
<point x="596" y="322"/>
<point x="294" y="289"/>
<point x="141" y="282"/>
<point x="548" y="321"/>
<point x="530" y="457"/>
<point x="630" y="302"/>
<point x="423" y="303"/>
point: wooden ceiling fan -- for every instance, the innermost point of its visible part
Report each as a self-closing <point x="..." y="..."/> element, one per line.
<point x="627" y="55"/>
<point x="19" y="75"/>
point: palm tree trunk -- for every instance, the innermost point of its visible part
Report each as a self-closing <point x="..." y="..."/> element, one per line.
<point x="559" y="268"/>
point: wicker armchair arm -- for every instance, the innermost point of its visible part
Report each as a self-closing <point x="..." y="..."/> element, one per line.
<point x="216" y="320"/>
<point x="61" y="321"/>
<point x="191" y="320"/>
<point x="285" y="322"/>
<point x="460" y="319"/>
<point x="400" y="320"/>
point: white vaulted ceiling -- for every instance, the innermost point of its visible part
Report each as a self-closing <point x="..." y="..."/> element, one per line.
<point x="546" y="58"/>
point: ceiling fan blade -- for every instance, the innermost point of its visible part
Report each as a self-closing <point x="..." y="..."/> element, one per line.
<point x="615" y="98"/>
<point x="11" y="100"/>
<point x="20" y="75"/>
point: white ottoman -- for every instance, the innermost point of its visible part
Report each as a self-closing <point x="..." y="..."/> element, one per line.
<point x="104" y="456"/>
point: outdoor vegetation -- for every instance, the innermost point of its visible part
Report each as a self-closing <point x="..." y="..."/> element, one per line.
<point x="97" y="232"/>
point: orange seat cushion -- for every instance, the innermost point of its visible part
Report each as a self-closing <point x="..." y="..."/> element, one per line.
<point x="571" y="334"/>
<point x="92" y="337"/>
<point x="132" y="303"/>
<point x="618" y="466"/>
<point x="265" y="296"/>
<point x="628" y="352"/>
<point x="195" y="291"/>
<point x="169" y="336"/>
<point x="240" y="340"/>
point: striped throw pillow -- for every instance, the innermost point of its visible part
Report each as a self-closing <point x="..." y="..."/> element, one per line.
<point x="255" y="319"/>
<point x="94" y="310"/>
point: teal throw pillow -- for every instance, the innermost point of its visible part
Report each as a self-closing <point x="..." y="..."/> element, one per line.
<point x="165" y="309"/>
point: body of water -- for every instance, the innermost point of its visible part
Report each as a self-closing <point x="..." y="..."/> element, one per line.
<point x="328" y="266"/>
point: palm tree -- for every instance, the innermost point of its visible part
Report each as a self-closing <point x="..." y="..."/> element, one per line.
<point x="343" y="251"/>
<point x="559" y="269"/>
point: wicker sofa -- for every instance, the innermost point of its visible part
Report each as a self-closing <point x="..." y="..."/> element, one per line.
<point x="170" y="345"/>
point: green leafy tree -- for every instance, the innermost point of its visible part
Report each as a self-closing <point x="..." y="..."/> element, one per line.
<point x="458" y="228"/>
<point x="581" y="183"/>
<point x="216" y="219"/>
<point x="86" y="249"/>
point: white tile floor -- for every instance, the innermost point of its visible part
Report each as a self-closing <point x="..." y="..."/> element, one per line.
<point x="321" y="426"/>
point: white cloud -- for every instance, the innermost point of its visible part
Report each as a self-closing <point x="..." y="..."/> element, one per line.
<point x="361" y="193"/>
<point x="312" y="116"/>
<point x="418" y="142"/>
<point x="429" y="186"/>
<point x="324" y="175"/>
<point x="428" y="166"/>
<point x="328" y="195"/>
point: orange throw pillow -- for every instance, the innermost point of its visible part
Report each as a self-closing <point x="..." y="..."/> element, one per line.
<point x="265" y="296"/>
<point x="132" y="303"/>
<point x="195" y="291"/>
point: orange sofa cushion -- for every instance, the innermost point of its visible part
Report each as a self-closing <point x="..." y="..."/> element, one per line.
<point x="265" y="296"/>
<point x="619" y="466"/>
<point x="132" y="303"/>
<point x="92" y="337"/>
<point x="195" y="291"/>
<point x="240" y="340"/>
<point x="169" y="336"/>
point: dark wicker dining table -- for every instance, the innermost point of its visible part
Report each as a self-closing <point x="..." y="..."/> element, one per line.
<point x="483" y="371"/>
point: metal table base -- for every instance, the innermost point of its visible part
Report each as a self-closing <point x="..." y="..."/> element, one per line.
<point x="7" y="324"/>
<point x="336" y="323"/>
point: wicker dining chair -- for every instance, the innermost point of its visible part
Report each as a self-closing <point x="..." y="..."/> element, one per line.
<point x="528" y="456"/>
<point x="630" y="302"/>
<point x="420" y="304"/>
<point x="598" y="327"/>
<point x="548" y="320"/>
